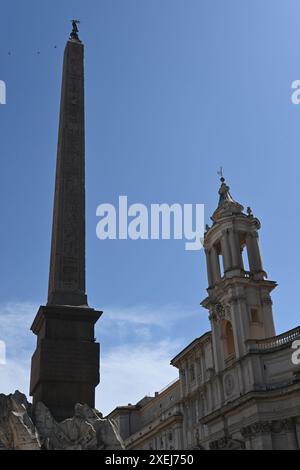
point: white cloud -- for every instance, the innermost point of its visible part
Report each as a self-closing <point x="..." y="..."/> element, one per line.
<point x="14" y="375"/>
<point x="134" y="362"/>
<point x="128" y="373"/>
<point x="143" y="321"/>
<point x="151" y="315"/>
<point x="140" y="362"/>
<point x="15" y="322"/>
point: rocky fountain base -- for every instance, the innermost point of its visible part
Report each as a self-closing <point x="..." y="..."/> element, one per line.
<point x="21" y="430"/>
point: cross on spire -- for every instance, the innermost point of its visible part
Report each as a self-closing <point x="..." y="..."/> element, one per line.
<point x="220" y="173"/>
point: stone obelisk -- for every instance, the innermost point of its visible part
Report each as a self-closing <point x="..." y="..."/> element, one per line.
<point x="65" y="364"/>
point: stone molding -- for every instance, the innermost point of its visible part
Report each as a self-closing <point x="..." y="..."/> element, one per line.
<point x="268" y="427"/>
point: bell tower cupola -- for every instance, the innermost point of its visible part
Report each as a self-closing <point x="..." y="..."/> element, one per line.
<point x="239" y="302"/>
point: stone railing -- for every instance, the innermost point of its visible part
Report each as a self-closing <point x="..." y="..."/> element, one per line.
<point x="274" y="342"/>
<point x="169" y="385"/>
<point x="147" y="428"/>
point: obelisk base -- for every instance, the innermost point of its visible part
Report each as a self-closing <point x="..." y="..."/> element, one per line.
<point x="65" y="364"/>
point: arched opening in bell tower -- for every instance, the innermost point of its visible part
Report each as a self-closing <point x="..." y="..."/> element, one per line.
<point x="244" y="253"/>
<point x="228" y="339"/>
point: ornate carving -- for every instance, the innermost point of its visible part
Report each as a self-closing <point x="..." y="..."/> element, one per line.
<point x="267" y="299"/>
<point x="17" y="430"/>
<point x="228" y="312"/>
<point x="220" y="312"/>
<point x="229" y="384"/>
<point x="86" y="430"/>
<point x="212" y="317"/>
<point x="227" y="442"/>
<point x="267" y="427"/>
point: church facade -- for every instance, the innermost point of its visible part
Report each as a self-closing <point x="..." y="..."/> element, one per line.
<point x="238" y="387"/>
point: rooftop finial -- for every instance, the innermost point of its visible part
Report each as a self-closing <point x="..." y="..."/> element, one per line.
<point x="227" y="205"/>
<point x="249" y="212"/>
<point x="220" y="173"/>
<point x="224" y="193"/>
<point x="74" y="33"/>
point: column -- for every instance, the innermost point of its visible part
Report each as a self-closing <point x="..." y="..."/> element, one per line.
<point x="225" y="249"/>
<point x="256" y="250"/>
<point x="235" y="249"/>
<point x="209" y="268"/>
<point x="215" y="264"/>
<point x="251" y="252"/>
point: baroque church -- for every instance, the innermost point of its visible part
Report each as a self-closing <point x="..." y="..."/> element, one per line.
<point x="238" y="387"/>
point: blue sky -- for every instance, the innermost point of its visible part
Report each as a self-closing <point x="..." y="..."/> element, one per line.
<point x="174" y="90"/>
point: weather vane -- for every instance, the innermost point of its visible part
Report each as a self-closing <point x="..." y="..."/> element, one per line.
<point x="74" y="33"/>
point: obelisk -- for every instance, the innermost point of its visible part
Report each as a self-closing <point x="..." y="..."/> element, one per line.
<point x="65" y="364"/>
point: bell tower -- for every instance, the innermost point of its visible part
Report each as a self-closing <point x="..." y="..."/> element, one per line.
<point x="239" y="301"/>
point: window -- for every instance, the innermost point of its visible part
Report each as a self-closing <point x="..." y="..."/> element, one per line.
<point x="192" y="373"/>
<point x="254" y="315"/>
<point x="228" y="339"/>
<point x="200" y="369"/>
